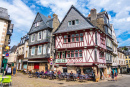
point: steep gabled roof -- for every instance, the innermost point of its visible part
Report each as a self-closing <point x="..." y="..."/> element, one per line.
<point x="13" y="49"/>
<point x="86" y="24"/>
<point x="43" y="25"/>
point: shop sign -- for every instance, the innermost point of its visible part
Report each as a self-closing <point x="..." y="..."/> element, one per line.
<point x="61" y="60"/>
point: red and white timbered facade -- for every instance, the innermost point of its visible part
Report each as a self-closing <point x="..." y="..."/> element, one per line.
<point x="86" y="46"/>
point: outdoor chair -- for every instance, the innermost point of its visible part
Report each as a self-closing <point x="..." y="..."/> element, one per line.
<point x="67" y="77"/>
<point x="1" y="80"/>
<point x="7" y="80"/>
<point x="81" y="78"/>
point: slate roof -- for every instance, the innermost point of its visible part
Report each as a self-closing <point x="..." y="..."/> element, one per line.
<point x="13" y="49"/>
<point x="46" y="23"/>
<point x="4" y="14"/>
<point x="85" y="25"/>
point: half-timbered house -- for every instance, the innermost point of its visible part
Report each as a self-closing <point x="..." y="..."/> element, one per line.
<point x="39" y="41"/>
<point x="79" y="45"/>
<point x="101" y="20"/>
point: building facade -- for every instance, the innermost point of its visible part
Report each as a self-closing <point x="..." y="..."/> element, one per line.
<point x="115" y="53"/>
<point x="6" y="29"/>
<point x="80" y="46"/>
<point x="101" y="20"/>
<point x="40" y="41"/>
<point x="121" y="62"/>
<point x="12" y="55"/>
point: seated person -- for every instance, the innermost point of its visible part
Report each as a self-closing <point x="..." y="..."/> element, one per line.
<point x="71" y="74"/>
<point x="42" y="72"/>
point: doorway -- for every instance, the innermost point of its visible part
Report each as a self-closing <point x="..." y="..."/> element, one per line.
<point x="36" y="65"/>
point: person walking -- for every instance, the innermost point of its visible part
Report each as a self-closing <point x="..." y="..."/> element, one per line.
<point x="115" y="74"/>
<point x="112" y="75"/>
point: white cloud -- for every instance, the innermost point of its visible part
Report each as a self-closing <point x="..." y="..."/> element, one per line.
<point x="21" y="16"/>
<point x="121" y="7"/>
<point x="32" y="6"/>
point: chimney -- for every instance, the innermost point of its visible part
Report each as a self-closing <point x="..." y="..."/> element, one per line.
<point x="49" y="16"/>
<point x="55" y="16"/>
<point x="93" y="14"/>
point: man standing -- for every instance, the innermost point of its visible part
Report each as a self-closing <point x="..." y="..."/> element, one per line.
<point x="112" y="75"/>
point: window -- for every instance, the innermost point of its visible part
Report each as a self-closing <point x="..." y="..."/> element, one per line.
<point x="59" y="55"/>
<point x="101" y="54"/>
<point x="129" y="56"/>
<point x="48" y="50"/>
<point x="69" y="23"/>
<point x="33" y="51"/>
<point x="65" y="39"/>
<point x="40" y="49"/>
<point x="37" y="24"/>
<point x="126" y="57"/>
<point x="63" y="55"/>
<point x="44" y="49"/>
<point x="33" y="38"/>
<point x="77" y="21"/>
<point x="129" y="61"/>
<point x="68" y="38"/>
<point x="64" y="69"/>
<point x="126" y="61"/>
<point x="72" y="36"/>
<point x="68" y="54"/>
<point x="76" y="53"/>
<point x="77" y="37"/>
<point x="39" y="35"/>
<point x="44" y="34"/>
<point x="109" y="31"/>
<point x="73" y="22"/>
<point x="72" y="53"/>
<point x="80" y="53"/>
<point x="81" y="36"/>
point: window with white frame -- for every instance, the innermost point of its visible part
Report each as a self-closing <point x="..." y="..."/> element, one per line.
<point x="76" y="53"/>
<point x="77" y="37"/>
<point x="73" y="22"/>
<point x="44" y="34"/>
<point x="72" y="53"/>
<point x="48" y="50"/>
<point x="59" y="55"/>
<point x="68" y="54"/>
<point x="80" y="53"/>
<point x="44" y="49"/>
<point x="39" y="49"/>
<point x="65" y="38"/>
<point x="109" y="31"/>
<point x="81" y="36"/>
<point x="37" y="24"/>
<point x="33" y="38"/>
<point x="72" y="36"/>
<point x="39" y="35"/>
<point x="33" y="51"/>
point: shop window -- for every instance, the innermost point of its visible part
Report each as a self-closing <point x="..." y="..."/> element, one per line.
<point x="64" y="69"/>
<point x="87" y="70"/>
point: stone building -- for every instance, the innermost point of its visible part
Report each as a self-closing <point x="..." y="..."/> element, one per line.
<point x="121" y="61"/>
<point x="115" y="53"/>
<point x="6" y="29"/>
<point x="21" y="52"/>
<point x="12" y="55"/>
<point x="40" y="41"/>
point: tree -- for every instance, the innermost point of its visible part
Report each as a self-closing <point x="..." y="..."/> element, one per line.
<point x="125" y="48"/>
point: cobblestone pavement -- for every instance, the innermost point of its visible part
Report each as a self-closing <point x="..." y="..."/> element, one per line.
<point x="123" y="81"/>
<point x="21" y="80"/>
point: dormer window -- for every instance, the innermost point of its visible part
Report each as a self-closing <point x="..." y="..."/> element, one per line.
<point x="37" y="24"/>
<point x="73" y="22"/>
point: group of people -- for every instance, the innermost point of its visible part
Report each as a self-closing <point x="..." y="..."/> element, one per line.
<point x="114" y="75"/>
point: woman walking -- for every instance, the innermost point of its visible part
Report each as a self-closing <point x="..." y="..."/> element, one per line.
<point x="115" y="74"/>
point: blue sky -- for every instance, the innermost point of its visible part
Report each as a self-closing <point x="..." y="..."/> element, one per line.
<point x="23" y="12"/>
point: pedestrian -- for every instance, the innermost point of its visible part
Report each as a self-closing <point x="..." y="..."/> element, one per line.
<point x="112" y="75"/>
<point x="115" y="75"/>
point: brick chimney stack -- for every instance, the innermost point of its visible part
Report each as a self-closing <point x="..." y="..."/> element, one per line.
<point x="49" y="16"/>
